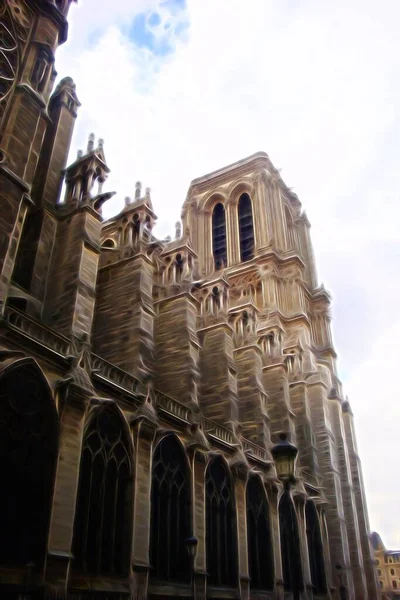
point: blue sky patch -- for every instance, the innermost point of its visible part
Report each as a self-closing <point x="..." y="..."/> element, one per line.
<point x="156" y="31"/>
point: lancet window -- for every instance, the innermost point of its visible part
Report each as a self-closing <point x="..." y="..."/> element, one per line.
<point x="221" y="526"/>
<point x="315" y="549"/>
<point x="259" y="542"/>
<point x="219" y="236"/>
<point x="28" y="453"/>
<point x="103" y="517"/>
<point x="246" y="231"/>
<point x="290" y="545"/>
<point x="170" y="512"/>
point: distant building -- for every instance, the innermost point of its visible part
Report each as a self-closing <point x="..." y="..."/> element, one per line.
<point x="145" y="384"/>
<point x="387" y="564"/>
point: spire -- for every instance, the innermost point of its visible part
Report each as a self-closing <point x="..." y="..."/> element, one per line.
<point x="90" y="144"/>
<point x="138" y="190"/>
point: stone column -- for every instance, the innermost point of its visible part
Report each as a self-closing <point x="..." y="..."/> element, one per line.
<point x="232" y="234"/>
<point x="273" y="499"/>
<point x="144" y="429"/>
<point x="280" y="414"/>
<point x="198" y="460"/>
<point x="74" y="401"/>
<point x="299" y="502"/>
<point x="240" y="479"/>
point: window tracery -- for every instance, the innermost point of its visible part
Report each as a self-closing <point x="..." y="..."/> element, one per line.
<point x="220" y="526"/>
<point x="28" y="452"/>
<point x="103" y="516"/>
<point x="290" y="545"/>
<point x="170" y="512"/>
<point x="246" y="231"/>
<point x="259" y="542"/>
<point x="219" y="236"/>
<point x="315" y="549"/>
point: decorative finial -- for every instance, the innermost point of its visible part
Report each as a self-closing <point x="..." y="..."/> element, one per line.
<point x="148" y="190"/>
<point x="100" y="144"/>
<point x="79" y="154"/>
<point x="138" y="190"/>
<point x="90" y="144"/>
<point x="178" y="230"/>
<point x="127" y="200"/>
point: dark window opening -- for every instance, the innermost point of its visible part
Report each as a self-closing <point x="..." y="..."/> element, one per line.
<point x="28" y="454"/>
<point x="290" y="545"/>
<point x="315" y="549"/>
<point x="221" y="526"/>
<point x="259" y="542"/>
<point x="170" y="512"/>
<point x="246" y="232"/>
<point x="219" y="236"/>
<point x="102" y="523"/>
<point x="27" y="250"/>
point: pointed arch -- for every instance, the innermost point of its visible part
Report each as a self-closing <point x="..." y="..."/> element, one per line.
<point x="315" y="549"/>
<point x="246" y="229"/>
<point x="28" y="454"/>
<point x="220" y="525"/>
<point x="219" y="236"/>
<point x="259" y="541"/>
<point x="170" y="512"/>
<point x="290" y="545"/>
<point x="103" y="520"/>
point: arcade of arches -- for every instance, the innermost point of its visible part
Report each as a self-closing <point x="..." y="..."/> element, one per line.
<point x="31" y="444"/>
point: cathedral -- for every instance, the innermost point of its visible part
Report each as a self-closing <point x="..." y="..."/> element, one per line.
<point x="172" y="424"/>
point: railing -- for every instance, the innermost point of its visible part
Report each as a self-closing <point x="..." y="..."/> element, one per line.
<point x="114" y="374"/>
<point x="37" y="332"/>
<point x="218" y="431"/>
<point x="255" y="450"/>
<point x="172" y="407"/>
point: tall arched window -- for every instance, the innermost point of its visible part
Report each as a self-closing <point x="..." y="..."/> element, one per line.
<point x="290" y="545"/>
<point x="221" y="526"/>
<point x="246" y="231"/>
<point x="103" y="516"/>
<point x="315" y="549"/>
<point x="170" y="512"/>
<point x="28" y="453"/>
<point x="219" y="236"/>
<point x="259" y="543"/>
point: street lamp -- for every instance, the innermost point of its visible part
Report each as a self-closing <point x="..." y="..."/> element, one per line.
<point x="284" y="454"/>
<point x="191" y="545"/>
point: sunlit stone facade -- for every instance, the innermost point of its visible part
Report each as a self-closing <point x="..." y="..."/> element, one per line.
<point x="145" y="382"/>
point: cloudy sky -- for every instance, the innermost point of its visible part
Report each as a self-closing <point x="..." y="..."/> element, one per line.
<point x="178" y="88"/>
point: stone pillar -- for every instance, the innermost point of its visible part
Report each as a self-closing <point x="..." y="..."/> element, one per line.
<point x="361" y="513"/>
<point x="70" y="299"/>
<point x="276" y="385"/>
<point x="273" y="500"/>
<point x="232" y="233"/>
<point x="177" y="348"/>
<point x="218" y="391"/>
<point x="124" y="320"/>
<point x="260" y="216"/>
<point x="307" y="458"/>
<point x="74" y="401"/>
<point x="199" y="467"/>
<point x="275" y="216"/>
<point x="240" y="479"/>
<point x="144" y="430"/>
<point x="310" y="272"/>
<point x="329" y="471"/>
<point x="299" y="502"/>
<point x="252" y="399"/>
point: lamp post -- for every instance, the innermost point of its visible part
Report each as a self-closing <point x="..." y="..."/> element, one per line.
<point x="284" y="454"/>
<point x="191" y="545"/>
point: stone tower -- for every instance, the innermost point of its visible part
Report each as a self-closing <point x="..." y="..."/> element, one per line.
<point x="154" y="394"/>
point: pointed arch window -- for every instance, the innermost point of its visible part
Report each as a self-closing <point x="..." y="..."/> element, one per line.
<point x="103" y="516"/>
<point x="290" y="545"/>
<point x="28" y="454"/>
<point x="221" y="526"/>
<point x="246" y="230"/>
<point x="170" y="512"/>
<point x="219" y="236"/>
<point x="259" y="542"/>
<point x="315" y="549"/>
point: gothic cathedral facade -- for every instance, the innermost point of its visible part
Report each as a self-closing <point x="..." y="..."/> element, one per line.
<point x="171" y="420"/>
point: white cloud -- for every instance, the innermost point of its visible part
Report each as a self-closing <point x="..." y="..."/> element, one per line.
<point x="315" y="84"/>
